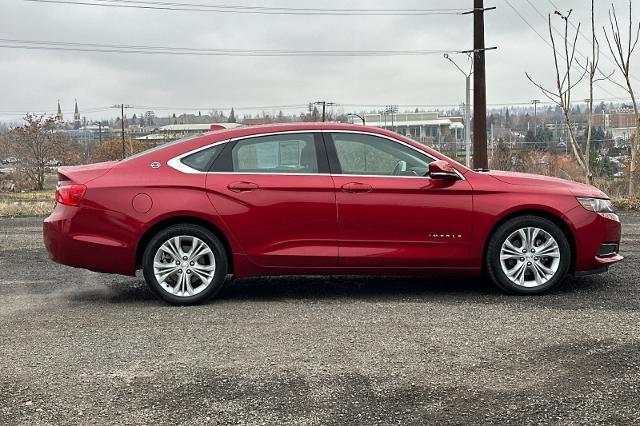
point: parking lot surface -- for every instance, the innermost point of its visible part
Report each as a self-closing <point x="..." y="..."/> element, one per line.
<point x="81" y="347"/>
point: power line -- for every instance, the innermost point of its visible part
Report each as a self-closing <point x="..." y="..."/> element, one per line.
<point x="21" y="111"/>
<point x="263" y="10"/>
<point x="46" y="110"/>
<point x="168" y="50"/>
<point x="219" y="108"/>
<point x="349" y="105"/>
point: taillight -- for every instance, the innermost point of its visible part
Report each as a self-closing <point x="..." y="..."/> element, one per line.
<point x="70" y="195"/>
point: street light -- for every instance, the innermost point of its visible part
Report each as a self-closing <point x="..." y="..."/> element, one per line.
<point x="467" y="112"/>
<point x="353" y="114"/>
<point x="391" y="109"/>
<point x="535" y="103"/>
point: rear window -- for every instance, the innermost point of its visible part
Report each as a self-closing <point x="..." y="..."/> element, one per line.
<point x="202" y="159"/>
<point x="159" y="147"/>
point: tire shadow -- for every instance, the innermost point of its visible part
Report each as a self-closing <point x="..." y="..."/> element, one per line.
<point x="595" y="292"/>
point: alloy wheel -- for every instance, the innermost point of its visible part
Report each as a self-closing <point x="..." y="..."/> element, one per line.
<point x="184" y="266"/>
<point x="530" y="257"/>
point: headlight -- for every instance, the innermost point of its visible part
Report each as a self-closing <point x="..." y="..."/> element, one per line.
<point x="597" y="205"/>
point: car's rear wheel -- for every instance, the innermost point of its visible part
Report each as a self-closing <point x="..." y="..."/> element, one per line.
<point x="185" y="264"/>
<point x="528" y="255"/>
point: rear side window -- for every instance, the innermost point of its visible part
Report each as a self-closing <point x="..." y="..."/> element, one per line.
<point x="202" y="159"/>
<point x="285" y="153"/>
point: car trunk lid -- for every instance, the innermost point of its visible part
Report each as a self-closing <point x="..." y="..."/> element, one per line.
<point x="85" y="173"/>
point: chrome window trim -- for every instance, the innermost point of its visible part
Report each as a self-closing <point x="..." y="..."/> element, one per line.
<point x="176" y="164"/>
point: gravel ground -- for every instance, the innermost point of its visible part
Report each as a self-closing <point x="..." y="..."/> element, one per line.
<point x="81" y="347"/>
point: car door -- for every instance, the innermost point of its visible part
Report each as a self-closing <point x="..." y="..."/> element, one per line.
<point x="275" y="194"/>
<point x="390" y="214"/>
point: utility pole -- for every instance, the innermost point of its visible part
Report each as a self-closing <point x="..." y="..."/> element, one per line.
<point x="535" y="103"/>
<point x="392" y="109"/>
<point x="480" y="159"/>
<point x="122" y="107"/>
<point x="100" y="131"/>
<point x="467" y="111"/>
<point x="124" y="154"/>
<point x="492" y="142"/>
<point x="324" y="104"/>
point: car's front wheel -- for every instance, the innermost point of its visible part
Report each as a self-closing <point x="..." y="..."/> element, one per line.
<point x="185" y="264"/>
<point x="528" y="255"/>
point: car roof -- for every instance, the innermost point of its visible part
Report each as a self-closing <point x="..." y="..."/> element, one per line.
<point x="215" y="136"/>
<point x="292" y="127"/>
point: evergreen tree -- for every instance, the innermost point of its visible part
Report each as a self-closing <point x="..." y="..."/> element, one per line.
<point x="232" y="116"/>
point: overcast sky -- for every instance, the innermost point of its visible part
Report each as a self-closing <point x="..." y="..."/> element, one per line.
<point x="33" y="80"/>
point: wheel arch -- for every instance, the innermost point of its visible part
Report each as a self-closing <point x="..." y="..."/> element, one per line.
<point x="553" y="217"/>
<point x="175" y="220"/>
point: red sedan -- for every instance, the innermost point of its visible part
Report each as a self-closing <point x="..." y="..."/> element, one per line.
<point x="320" y="198"/>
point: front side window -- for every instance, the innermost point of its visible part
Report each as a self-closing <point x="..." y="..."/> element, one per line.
<point x="361" y="154"/>
<point x="284" y="153"/>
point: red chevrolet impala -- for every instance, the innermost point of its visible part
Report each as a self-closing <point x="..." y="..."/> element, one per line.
<point x="320" y="198"/>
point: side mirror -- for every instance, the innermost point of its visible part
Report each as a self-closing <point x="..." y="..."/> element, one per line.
<point x="441" y="169"/>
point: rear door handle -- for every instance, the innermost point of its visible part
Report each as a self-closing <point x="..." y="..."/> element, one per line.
<point x="243" y="186"/>
<point x="356" y="187"/>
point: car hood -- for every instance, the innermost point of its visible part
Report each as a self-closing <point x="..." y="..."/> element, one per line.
<point x="576" y="188"/>
<point x="85" y="173"/>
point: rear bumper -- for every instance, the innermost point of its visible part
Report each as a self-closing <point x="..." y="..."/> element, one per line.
<point x="72" y="237"/>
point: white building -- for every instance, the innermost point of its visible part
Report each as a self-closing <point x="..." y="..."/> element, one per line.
<point x="428" y="128"/>
<point x="172" y="132"/>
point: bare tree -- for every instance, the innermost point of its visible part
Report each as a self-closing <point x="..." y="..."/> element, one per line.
<point x="111" y="149"/>
<point x="622" y="53"/>
<point x="5" y="142"/>
<point x="36" y="144"/>
<point x="566" y="81"/>
<point x="592" y="69"/>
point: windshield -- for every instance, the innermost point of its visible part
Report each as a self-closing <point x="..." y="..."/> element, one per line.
<point x="159" y="147"/>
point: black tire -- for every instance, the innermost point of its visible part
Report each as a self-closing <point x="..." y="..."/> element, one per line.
<point x="214" y="243"/>
<point x="493" y="264"/>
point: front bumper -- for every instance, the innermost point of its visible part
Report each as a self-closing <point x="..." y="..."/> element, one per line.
<point x="73" y="236"/>
<point x="592" y="232"/>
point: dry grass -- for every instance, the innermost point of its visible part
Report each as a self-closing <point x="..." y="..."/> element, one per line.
<point x="46" y="195"/>
<point x="38" y="203"/>
<point x="38" y="208"/>
<point x="626" y="203"/>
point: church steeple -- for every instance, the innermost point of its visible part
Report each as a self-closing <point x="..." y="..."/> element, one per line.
<point x="76" y="116"/>
<point x="59" y="116"/>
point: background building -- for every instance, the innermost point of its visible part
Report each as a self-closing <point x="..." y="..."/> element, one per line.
<point x="428" y="128"/>
<point x="172" y="132"/>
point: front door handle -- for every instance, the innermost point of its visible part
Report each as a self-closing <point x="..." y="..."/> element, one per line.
<point x="243" y="186"/>
<point x="356" y="187"/>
